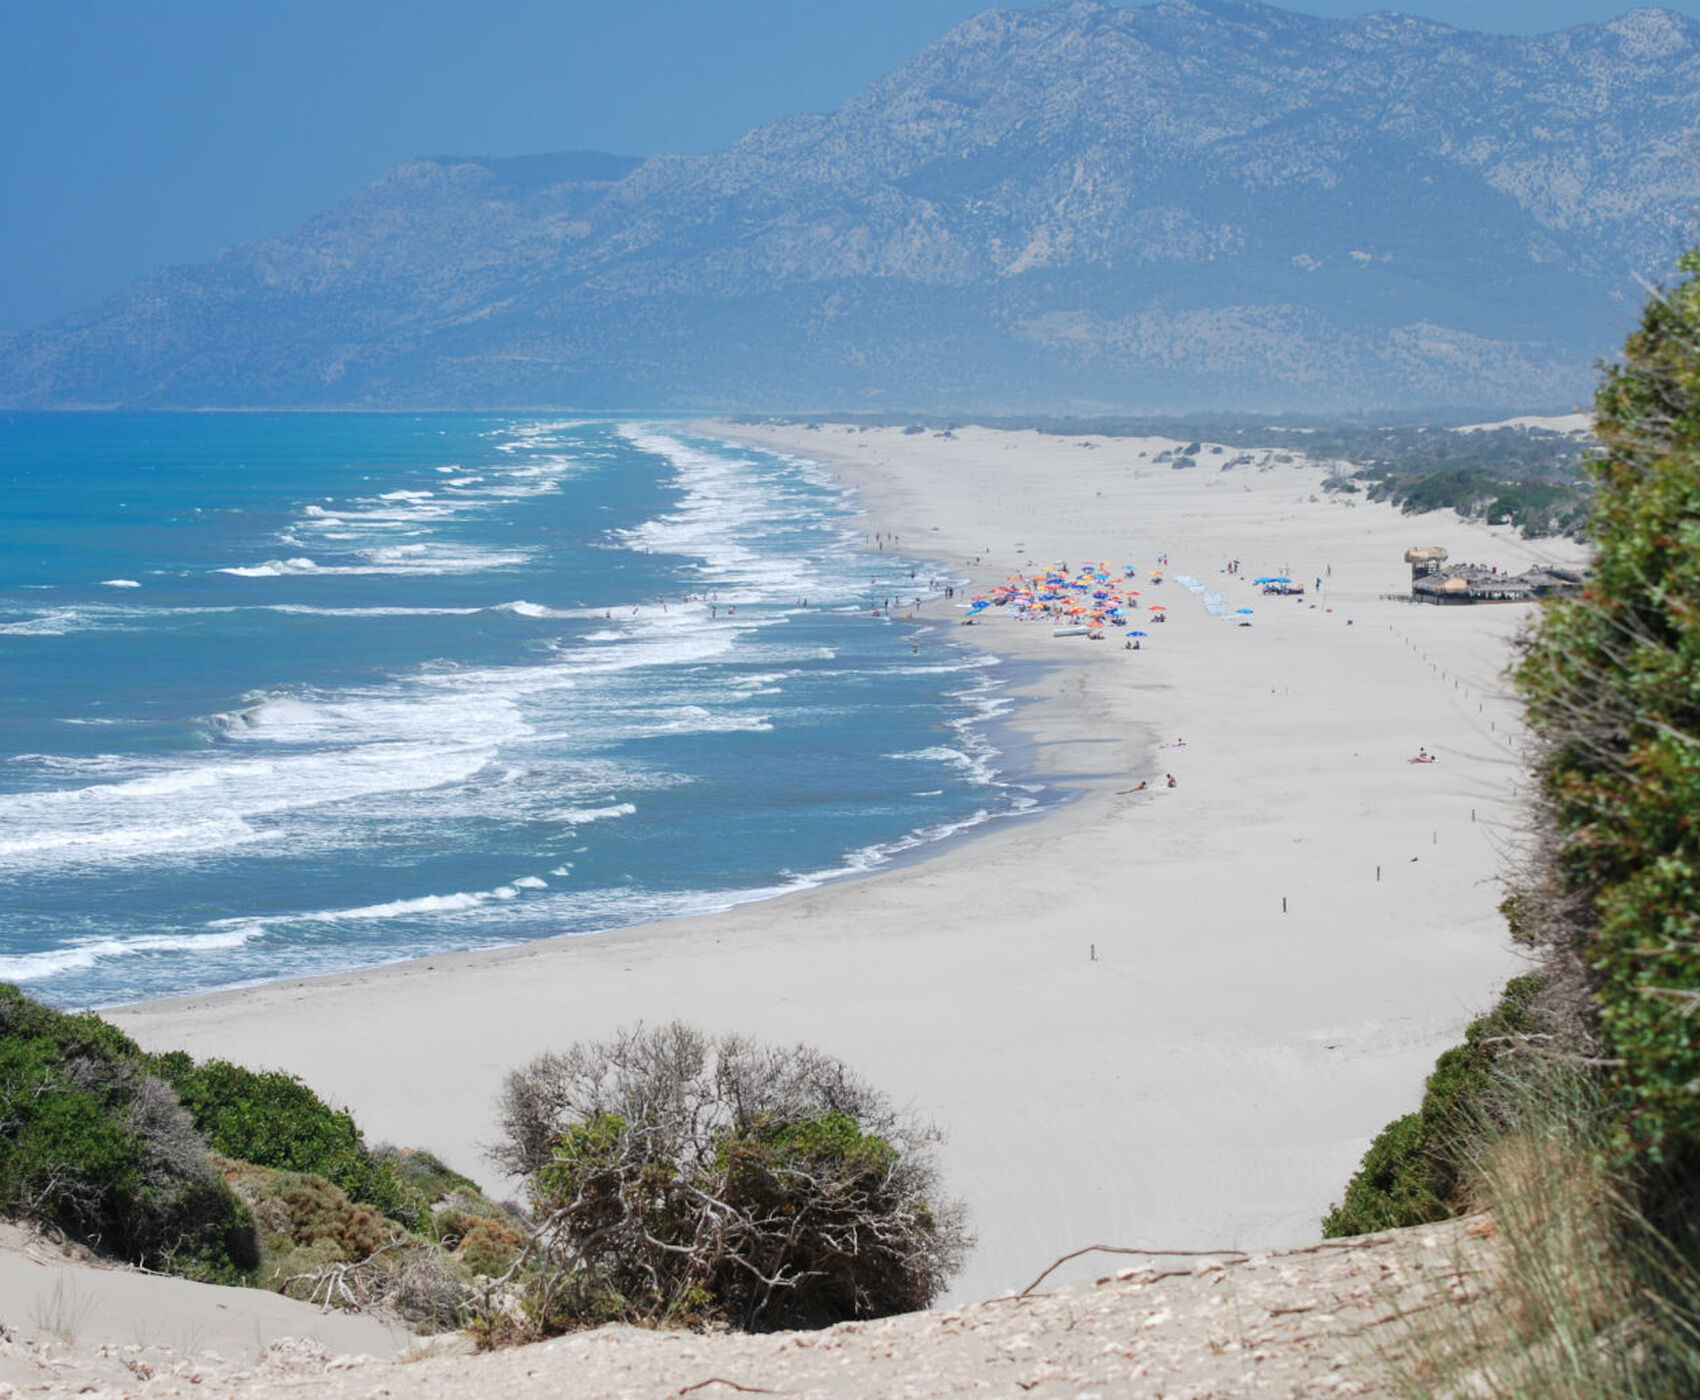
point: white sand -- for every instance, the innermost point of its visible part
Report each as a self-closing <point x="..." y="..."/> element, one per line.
<point x="1326" y="1321"/>
<point x="1211" y="1079"/>
<point x="55" y="1304"/>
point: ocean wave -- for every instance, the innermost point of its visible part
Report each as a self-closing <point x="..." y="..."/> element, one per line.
<point x="305" y="610"/>
<point x="583" y="816"/>
<point x="119" y="842"/>
<point x="392" y="559"/>
<point x="521" y="608"/>
<point x="726" y="503"/>
<point x="936" y="754"/>
<point x="319" y="755"/>
<point x="460" y="902"/>
<point x="694" y="719"/>
<point x="55" y="622"/>
<point x="872" y="857"/>
<point x="272" y="568"/>
<point x="82" y="955"/>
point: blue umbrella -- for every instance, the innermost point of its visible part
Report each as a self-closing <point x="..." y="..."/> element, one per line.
<point x="1242" y="610"/>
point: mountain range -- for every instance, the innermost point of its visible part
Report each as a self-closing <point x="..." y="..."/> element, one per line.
<point x="1191" y="204"/>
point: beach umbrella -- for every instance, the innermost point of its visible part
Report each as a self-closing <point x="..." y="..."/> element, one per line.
<point x="1158" y="607"/>
<point x="1242" y="610"/>
<point x="1139" y="634"/>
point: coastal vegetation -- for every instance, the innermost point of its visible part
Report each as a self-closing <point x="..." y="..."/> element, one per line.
<point x="228" y="1175"/>
<point x="95" y="1145"/>
<point x="1416" y="1170"/>
<point x="683" y="1179"/>
<point x="272" y="1119"/>
<point x="674" y="1178"/>
<point x="1573" y="1114"/>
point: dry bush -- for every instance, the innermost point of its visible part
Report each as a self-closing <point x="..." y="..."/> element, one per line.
<point x="679" y="1178"/>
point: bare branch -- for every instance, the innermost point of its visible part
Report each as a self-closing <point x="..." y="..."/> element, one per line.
<point x="1122" y="1249"/>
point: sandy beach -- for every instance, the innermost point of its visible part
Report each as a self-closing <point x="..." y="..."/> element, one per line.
<point x="1169" y="1018"/>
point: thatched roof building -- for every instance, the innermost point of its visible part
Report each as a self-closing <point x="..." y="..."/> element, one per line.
<point x="1477" y="583"/>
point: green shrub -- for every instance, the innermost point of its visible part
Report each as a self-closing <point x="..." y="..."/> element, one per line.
<point x="94" y="1144"/>
<point x="423" y="1174"/>
<point x="1414" y="1171"/>
<point x="489" y="1245"/>
<point x="94" y="1139"/>
<point x="319" y="1213"/>
<point x="1609" y="682"/>
<point x="274" y="1120"/>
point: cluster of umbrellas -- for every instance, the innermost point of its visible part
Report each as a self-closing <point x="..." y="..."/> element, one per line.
<point x="1093" y="596"/>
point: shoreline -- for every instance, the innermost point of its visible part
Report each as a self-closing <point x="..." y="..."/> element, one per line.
<point x="1124" y="1036"/>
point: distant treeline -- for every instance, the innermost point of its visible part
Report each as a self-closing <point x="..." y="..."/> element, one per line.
<point x="1528" y="477"/>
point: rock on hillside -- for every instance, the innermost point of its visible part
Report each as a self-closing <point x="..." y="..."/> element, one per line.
<point x="1192" y="203"/>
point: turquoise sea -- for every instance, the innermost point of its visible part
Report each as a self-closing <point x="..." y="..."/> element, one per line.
<point x="293" y="694"/>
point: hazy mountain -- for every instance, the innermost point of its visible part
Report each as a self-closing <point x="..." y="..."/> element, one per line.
<point x="1197" y="203"/>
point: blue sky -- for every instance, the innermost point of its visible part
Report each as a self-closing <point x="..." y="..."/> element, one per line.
<point x="145" y="132"/>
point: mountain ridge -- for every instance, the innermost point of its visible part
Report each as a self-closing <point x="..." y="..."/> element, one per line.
<point x="1195" y="203"/>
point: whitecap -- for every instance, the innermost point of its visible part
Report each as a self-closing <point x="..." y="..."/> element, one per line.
<point x="459" y="902"/>
<point x="272" y="568"/>
<point x="936" y="754"/>
<point x="583" y="816"/>
<point x="521" y="608"/>
<point x="81" y="955"/>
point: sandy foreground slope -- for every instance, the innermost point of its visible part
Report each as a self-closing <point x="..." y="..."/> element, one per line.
<point x="1169" y="1019"/>
<point x="1323" y="1322"/>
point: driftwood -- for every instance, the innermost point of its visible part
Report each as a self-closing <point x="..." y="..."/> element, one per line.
<point x="1229" y="1257"/>
<point x="1122" y="1249"/>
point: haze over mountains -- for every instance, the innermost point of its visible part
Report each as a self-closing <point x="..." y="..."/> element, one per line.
<point x="1196" y="204"/>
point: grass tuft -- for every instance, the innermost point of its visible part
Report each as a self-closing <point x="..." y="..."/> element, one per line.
<point x="1581" y="1297"/>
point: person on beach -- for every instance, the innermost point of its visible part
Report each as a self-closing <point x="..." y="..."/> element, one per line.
<point x="1169" y="778"/>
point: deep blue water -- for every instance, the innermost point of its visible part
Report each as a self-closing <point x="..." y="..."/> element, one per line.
<point x="290" y="694"/>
